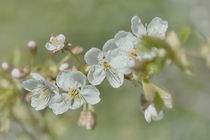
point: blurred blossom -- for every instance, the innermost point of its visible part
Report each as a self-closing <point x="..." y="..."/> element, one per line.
<point x="63" y="67"/>
<point x="17" y="73"/>
<point x="77" y="50"/>
<point x="74" y="68"/>
<point x="5" y="66"/>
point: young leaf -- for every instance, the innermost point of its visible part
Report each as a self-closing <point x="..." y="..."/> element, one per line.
<point x="184" y="34"/>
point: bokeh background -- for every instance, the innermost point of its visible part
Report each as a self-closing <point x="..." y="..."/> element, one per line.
<point x="90" y="23"/>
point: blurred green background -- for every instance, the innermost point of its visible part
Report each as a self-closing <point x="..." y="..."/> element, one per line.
<point x="90" y="23"/>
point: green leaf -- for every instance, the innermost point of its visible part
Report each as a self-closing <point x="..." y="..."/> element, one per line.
<point x="158" y="102"/>
<point x="185" y="34"/>
<point x="164" y="95"/>
<point x="149" y="90"/>
<point x="153" y="92"/>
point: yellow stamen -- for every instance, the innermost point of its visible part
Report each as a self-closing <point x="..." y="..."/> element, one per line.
<point x="132" y="53"/>
<point x="73" y="93"/>
<point x="66" y="99"/>
<point x="106" y="65"/>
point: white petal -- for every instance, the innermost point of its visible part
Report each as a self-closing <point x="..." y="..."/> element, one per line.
<point x="150" y="112"/>
<point x="157" y="28"/>
<point x="96" y="75"/>
<point x="50" y="46"/>
<point x="61" y="38"/>
<point x="67" y="79"/>
<point x="76" y="102"/>
<point x="137" y="27"/>
<point x="63" y="80"/>
<point x="125" y="41"/>
<point x="121" y="61"/>
<point x="37" y="77"/>
<point x="159" y="116"/>
<point x="38" y="100"/>
<point x="53" y="87"/>
<point x="91" y="56"/>
<point x="91" y="94"/>
<point x="146" y="55"/>
<point x="60" y="103"/>
<point x="78" y="79"/>
<point x="109" y="45"/>
<point x="30" y="84"/>
<point x="115" y="78"/>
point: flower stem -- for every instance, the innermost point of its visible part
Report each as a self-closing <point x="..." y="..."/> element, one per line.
<point x="78" y="61"/>
<point x="90" y="108"/>
<point x="32" y="62"/>
<point x="85" y="107"/>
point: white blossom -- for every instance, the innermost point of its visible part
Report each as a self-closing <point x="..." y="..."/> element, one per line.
<point x="42" y="91"/>
<point x="151" y="113"/>
<point x="76" y="92"/>
<point x="101" y="66"/>
<point x="56" y="43"/>
<point x="156" y="28"/>
<point x="124" y="57"/>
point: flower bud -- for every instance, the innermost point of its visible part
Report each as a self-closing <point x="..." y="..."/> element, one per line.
<point x="82" y="119"/>
<point x="161" y="52"/>
<point x="87" y="68"/>
<point x="28" y="97"/>
<point x="63" y="66"/>
<point x="77" y="50"/>
<point x="5" y="66"/>
<point x="17" y="73"/>
<point x="90" y="121"/>
<point x="32" y="47"/>
<point x="74" y="68"/>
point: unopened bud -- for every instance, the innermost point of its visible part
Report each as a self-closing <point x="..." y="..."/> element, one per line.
<point x="161" y="52"/>
<point x="77" y="50"/>
<point x="28" y="97"/>
<point x="87" y="68"/>
<point x="17" y="73"/>
<point x="32" y="47"/>
<point x="63" y="66"/>
<point x="82" y="119"/>
<point x="74" y="68"/>
<point x="90" y="121"/>
<point x="5" y="66"/>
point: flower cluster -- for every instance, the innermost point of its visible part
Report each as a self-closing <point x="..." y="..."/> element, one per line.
<point x="75" y="92"/>
<point x="114" y="62"/>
